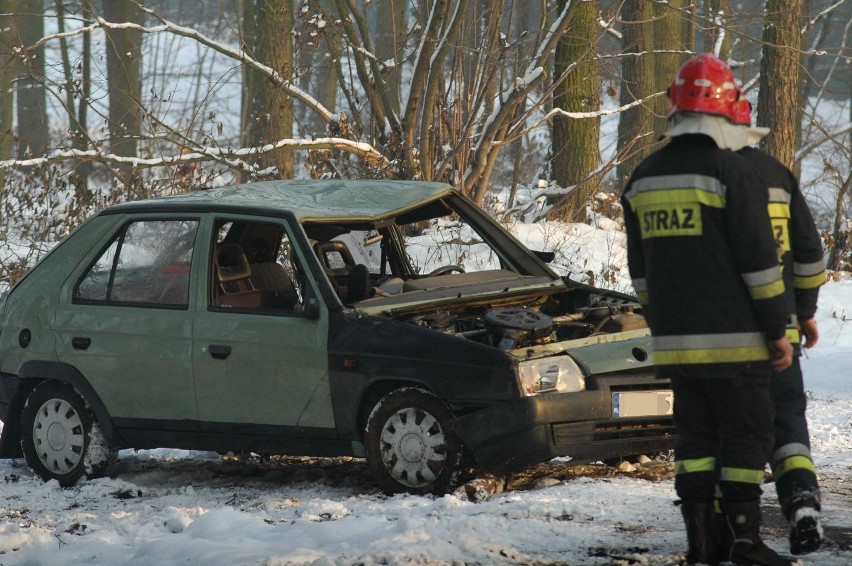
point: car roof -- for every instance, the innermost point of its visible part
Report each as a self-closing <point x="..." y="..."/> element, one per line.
<point x="305" y="199"/>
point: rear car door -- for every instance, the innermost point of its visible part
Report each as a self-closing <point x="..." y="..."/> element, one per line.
<point x="259" y="356"/>
<point x="123" y="321"/>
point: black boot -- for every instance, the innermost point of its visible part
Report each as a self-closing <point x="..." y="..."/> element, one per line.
<point x="701" y="532"/>
<point x="743" y="522"/>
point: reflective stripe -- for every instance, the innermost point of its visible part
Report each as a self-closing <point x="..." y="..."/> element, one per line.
<point x="640" y="285"/>
<point x="667" y="182"/>
<point x="793" y="463"/>
<point x="808" y="275"/>
<point x="742" y="475"/>
<point x="766" y="291"/>
<point x="793" y="335"/>
<point x="778" y="210"/>
<point x="811" y="282"/>
<point x="788" y="450"/>
<point x="707" y="464"/>
<point x="779" y="195"/>
<point x="710" y="348"/>
<point x="764" y="284"/>
<point x="808" y="269"/>
<point x="681" y="195"/>
<point x="695" y="341"/>
<point x="763" y="277"/>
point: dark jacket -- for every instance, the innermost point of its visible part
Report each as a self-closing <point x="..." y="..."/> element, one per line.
<point x="800" y="245"/>
<point x="703" y="258"/>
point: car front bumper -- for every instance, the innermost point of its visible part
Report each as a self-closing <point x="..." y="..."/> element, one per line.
<point x="515" y="434"/>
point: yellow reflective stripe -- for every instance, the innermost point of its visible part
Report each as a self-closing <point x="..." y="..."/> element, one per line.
<point x="711" y="355"/>
<point x="767" y="291"/>
<point x="793" y="463"/>
<point x="778" y="210"/>
<point x="792" y="335"/>
<point x="811" y="282"/>
<point x="706" y="464"/>
<point x="676" y="196"/>
<point x="741" y="475"/>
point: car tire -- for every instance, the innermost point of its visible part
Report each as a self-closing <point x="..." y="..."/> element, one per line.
<point x="60" y="438"/>
<point x="410" y="448"/>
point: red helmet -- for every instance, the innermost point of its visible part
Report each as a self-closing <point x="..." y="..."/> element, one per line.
<point x="742" y="112"/>
<point x="705" y="85"/>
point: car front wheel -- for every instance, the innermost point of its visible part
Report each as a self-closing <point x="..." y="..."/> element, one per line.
<point x="60" y="437"/>
<point x="409" y="446"/>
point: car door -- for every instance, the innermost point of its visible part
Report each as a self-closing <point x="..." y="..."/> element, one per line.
<point x="123" y="321"/>
<point x="260" y="362"/>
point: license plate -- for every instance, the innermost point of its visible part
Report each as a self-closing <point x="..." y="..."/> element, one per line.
<point x="642" y="403"/>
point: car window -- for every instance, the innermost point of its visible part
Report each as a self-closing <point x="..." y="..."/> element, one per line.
<point x="146" y="264"/>
<point x="254" y="268"/>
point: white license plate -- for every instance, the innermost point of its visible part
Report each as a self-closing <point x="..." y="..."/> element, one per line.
<point x="642" y="403"/>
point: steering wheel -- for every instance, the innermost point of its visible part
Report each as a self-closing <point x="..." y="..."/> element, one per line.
<point x="446" y="269"/>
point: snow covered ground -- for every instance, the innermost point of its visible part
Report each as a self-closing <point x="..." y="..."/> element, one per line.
<point x="168" y="507"/>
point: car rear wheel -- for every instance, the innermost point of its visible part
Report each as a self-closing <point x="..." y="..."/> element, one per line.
<point x="409" y="445"/>
<point x="60" y="437"/>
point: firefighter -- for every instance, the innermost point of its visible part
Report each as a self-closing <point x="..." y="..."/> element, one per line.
<point x="703" y="261"/>
<point x="802" y="265"/>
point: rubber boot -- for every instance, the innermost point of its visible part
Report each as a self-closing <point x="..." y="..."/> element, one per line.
<point x="743" y="522"/>
<point x="701" y="532"/>
<point x="805" y="530"/>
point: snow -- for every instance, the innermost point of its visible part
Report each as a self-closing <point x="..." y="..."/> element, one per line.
<point x="169" y="507"/>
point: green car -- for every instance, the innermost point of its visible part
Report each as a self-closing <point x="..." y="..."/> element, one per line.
<point x="297" y="317"/>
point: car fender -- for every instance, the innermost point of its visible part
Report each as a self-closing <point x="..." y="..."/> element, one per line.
<point x="39" y="370"/>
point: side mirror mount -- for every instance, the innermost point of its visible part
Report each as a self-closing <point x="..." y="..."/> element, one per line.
<point x="311" y="309"/>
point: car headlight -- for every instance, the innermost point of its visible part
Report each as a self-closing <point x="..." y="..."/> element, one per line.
<point x="558" y="373"/>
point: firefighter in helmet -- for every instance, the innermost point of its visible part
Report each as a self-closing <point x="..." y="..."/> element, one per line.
<point x="703" y="261"/>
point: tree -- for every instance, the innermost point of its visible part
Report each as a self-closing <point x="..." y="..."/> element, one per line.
<point x="8" y="41"/>
<point x="673" y="42"/>
<point x="577" y="88"/>
<point x="31" y="96"/>
<point x="635" y="133"/>
<point x="778" y="103"/>
<point x="124" y="62"/>
<point x="267" y="111"/>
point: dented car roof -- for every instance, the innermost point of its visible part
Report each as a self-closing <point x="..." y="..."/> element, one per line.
<point x="307" y="199"/>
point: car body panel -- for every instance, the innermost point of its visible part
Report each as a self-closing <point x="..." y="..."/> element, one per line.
<point x="304" y="378"/>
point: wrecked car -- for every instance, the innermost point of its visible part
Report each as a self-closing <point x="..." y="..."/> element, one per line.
<point x="302" y="318"/>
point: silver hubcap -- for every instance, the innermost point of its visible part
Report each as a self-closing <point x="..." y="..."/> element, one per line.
<point x="58" y="436"/>
<point x="413" y="447"/>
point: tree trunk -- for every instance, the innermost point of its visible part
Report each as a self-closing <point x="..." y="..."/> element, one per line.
<point x="717" y="35"/>
<point x="8" y="41"/>
<point x="124" y="66"/>
<point x="635" y="135"/>
<point x="389" y="29"/>
<point x="575" y="142"/>
<point x="31" y="102"/>
<point x="267" y="113"/>
<point x="671" y="34"/>
<point x="778" y="105"/>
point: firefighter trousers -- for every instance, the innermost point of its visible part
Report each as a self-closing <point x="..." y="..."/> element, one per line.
<point x="725" y="435"/>
<point x="792" y="465"/>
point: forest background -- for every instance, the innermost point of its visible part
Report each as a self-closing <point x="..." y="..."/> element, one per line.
<point x="116" y="100"/>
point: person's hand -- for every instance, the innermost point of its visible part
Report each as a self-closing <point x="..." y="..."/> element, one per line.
<point x="809" y="331"/>
<point x="780" y="354"/>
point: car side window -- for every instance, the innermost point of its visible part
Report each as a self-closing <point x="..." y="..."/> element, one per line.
<point x="254" y="269"/>
<point x="146" y="264"/>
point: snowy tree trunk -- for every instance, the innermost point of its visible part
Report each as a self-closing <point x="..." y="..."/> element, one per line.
<point x="577" y="88"/>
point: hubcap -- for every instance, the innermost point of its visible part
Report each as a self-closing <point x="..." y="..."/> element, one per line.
<point x="58" y="436"/>
<point x="413" y="447"/>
